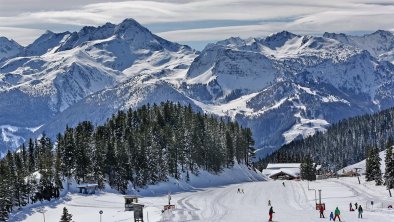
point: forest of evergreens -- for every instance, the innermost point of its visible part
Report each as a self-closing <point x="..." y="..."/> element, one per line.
<point x="133" y="148"/>
<point x="344" y="143"/>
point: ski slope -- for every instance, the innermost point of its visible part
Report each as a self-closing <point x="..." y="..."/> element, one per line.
<point x="292" y="202"/>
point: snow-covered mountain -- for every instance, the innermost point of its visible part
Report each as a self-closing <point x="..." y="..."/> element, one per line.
<point x="284" y="86"/>
<point x="379" y="44"/>
<point x="8" y="48"/>
<point x="57" y="71"/>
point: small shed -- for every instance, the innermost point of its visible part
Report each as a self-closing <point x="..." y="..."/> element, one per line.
<point x="88" y="188"/>
<point x="129" y="201"/>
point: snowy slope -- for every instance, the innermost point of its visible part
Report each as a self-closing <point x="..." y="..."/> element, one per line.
<point x="111" y="202"/>
<point x="283" y="87"/>
<point x="291" y="203"/>
<point x="380" y="43"/>
<point x="45" y="43"/>
<point x="361" y="165"/>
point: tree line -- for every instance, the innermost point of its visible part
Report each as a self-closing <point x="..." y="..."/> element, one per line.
<point x="373" y="164"/>
<point x="344" y="143"/>
<point x="132" y="148"/>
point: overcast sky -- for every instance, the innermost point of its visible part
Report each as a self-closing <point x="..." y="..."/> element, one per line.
<point x="197" y="22"/>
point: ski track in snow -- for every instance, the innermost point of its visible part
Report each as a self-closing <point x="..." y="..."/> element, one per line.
<point x="292" y="203"/>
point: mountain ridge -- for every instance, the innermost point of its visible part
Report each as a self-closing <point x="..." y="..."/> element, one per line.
<point x="284" y="86"/>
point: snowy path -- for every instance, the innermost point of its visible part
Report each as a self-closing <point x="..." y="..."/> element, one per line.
<point x="292" y="203"/>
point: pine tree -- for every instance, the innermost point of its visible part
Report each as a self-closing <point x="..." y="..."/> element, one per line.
<point x="389" y="171"/>
<point x="308" y="169"/>
<point x="58" y="162"/>
<point x="368" y="165"/>
<point x="83" y="150"/>
<point x="229" y="150"/>
<point x="110" y="164"/>
<point x="66" y="217"/>
<point x="375" y="167"/>
<point x="68" y="157"/>
<point x="31" y="157"/>
<point x="5" y="200"/>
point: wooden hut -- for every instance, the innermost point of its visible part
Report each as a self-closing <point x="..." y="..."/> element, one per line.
<point x="87" y="188"/>
<point x="130" y="200"/>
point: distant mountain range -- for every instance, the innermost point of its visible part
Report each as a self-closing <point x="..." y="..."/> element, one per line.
<point x="283" y="87"/>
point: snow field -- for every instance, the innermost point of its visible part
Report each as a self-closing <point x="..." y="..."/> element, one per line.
<point x="292" y="203"/>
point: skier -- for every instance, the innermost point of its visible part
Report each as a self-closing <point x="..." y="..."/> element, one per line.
<point x="283" y="184"/>
<point x="331" y="216"/>
<point x="337" y="214"/>
<point x="269" y="202"/>
<point x="355" y="205"/>
<point x="321" y="209"/>
<point x="239" y="191"/>
<point x="360" y="212"/>
<point x="270" y="213"/>
<point x="351" y="207"/>
<point x="242" y="190"/>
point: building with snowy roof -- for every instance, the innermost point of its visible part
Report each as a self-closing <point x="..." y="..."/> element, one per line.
<point x="286" y="171"/>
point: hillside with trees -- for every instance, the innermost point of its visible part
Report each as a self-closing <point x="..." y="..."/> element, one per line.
<point x="344" y="143"/>
<point x="133" y="148"/>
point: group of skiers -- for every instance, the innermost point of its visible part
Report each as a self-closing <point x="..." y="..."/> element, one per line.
<point x="359" y="208"/>
<point x="333" y="215"/>
<point x="240" y="190"/>
<point x="337" y="213"/>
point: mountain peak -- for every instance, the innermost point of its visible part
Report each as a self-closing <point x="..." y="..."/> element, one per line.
<point x="4" y="39"/>
<point x="48" y="32"/>
<point x="282" y="34"/>
<point x="334" y="35"/>
<point x="129" y="22"/>
<point x="8" y="48"/>
<point x="44" y="43"/>
<point x="278" y="39"/>
<point x="129" y="26"/>
<point x="382" y="33"/>
<point x="231" y="41"/>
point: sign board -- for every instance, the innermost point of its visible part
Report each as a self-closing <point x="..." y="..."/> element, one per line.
<point x="169" y="207"/>
<point x="322" y="204"/>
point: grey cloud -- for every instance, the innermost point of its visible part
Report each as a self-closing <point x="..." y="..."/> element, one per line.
<point x="306" y="16"/>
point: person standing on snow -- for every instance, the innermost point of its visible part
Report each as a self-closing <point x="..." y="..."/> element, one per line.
<point x="355" y="205"/>
<point x="351" y="207"/>
<point x="331" y="216"/>
<point x="269" y="202"/>
<point x="270" y="213"/>
<point x="360" y="212"/>
<point x="321" y="210"/>
<point x="337" y="214"/>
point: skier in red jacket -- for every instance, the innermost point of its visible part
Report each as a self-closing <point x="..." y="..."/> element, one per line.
<point x="271" y="212"/>
<point x="321" y="209"/>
